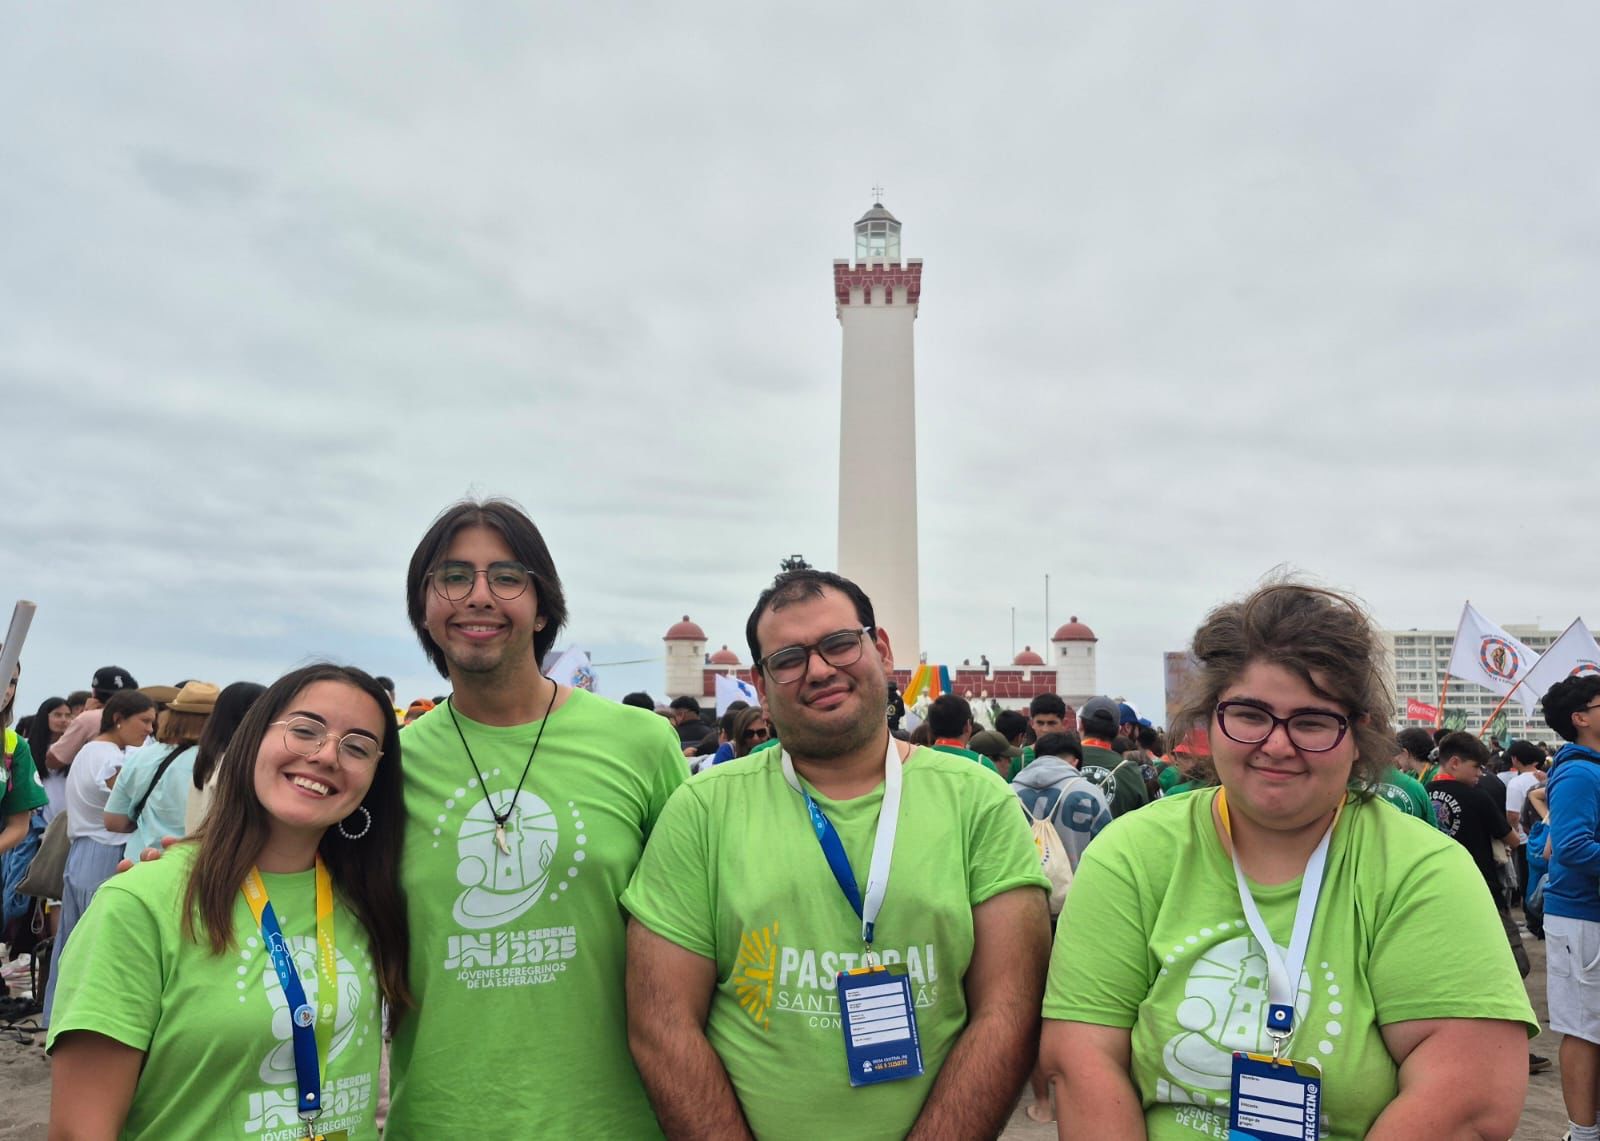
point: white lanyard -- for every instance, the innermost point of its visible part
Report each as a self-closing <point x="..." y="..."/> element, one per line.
<point x="882" y="844"/>
<point x="1283" y="975"/>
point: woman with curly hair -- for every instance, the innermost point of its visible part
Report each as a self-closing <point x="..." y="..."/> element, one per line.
<point x="1286" y="913"/>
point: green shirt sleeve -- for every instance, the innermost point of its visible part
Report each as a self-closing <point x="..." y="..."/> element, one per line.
<point x="23" y="792"/>
<point x="1003" y="856"/>
<point x="671" y="891"/>
<point x="1442" y="902"/>
<point x="112" y="972"/>
<point x="1099" y="967"/>
<point x="670" y="770"/>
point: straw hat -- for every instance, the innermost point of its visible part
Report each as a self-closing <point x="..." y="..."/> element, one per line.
<point x="194" y="697"/>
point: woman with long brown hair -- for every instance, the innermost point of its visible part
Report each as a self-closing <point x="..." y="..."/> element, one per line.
<point x="233" y="987"/>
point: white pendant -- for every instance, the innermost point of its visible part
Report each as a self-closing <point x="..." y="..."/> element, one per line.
<point x="500" y="839"/>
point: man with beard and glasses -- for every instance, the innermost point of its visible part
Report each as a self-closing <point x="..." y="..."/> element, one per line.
<point x="772" y="881"/>
<point x="528" y="804"/>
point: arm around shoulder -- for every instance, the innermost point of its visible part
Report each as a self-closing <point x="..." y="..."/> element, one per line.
<point x="669" y="995"/>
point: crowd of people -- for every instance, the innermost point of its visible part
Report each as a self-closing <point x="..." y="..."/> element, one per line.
<point x="819" y="915"/>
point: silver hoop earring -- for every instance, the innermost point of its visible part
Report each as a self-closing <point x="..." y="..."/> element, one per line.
<point x="366" y="825"/>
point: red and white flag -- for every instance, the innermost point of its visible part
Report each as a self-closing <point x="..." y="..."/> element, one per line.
<point x="1486" y="655"/>
<point x="1570" y="655"/>
<point x="1421" y="711"/>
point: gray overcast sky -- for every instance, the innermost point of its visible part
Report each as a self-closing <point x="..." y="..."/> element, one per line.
<point x="1207" y="290"/>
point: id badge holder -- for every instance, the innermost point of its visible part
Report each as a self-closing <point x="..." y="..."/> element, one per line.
<point x="1274" y="1098"/>
<point x="879" y="1021"/>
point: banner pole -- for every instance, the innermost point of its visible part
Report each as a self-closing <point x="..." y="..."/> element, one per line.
<point x="1496" y="712"/>
<point x="1438" y="717"/>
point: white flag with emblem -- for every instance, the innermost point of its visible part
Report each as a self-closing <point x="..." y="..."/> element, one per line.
<point x="1486" y="655"/>
<point x="1574" y="653"/>
<point x="731" y="689"/>
<point x="572" y="668"/>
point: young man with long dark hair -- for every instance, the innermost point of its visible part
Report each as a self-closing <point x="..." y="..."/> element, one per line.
<point x="529" y="804"/>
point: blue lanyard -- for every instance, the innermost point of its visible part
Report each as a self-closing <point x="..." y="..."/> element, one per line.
<point x="882" y="845"/>
<point x="306" y="1025"/>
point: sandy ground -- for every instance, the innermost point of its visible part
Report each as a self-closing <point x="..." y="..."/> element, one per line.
<point x="25" y="1084"/>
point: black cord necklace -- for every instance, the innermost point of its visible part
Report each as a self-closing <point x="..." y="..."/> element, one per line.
<point x="500" y="818"/>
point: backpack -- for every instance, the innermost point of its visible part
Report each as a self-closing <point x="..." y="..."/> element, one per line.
<point x="1053" y="859"/>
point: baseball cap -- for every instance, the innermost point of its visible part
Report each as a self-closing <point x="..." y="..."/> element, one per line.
<point x="992" y="744"/>
<point x="112" y="679"/>
<point x="1100" y="709"/>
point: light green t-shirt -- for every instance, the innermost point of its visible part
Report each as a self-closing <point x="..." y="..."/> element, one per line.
<point x="215" y="1029"/>
<point x="517" y="960"/>
<point x="1153" y="938"/>
<point x="1402" y="790"/>
<point x="734" y="873"/>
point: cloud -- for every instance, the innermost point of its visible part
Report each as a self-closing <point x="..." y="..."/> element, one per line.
<point x="1205" y="292"/>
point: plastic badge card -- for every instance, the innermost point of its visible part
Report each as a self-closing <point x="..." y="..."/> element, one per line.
<point x="1274" y="1099"/>
<point x="880" y="1025"/>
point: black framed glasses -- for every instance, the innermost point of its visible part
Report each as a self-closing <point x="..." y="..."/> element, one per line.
<point x="1310" y="732"/>
<point x="453" y="581"/>
<point x="306" y="737"/>
<point x="839" y="649"/>
<point x="756" y="733"/>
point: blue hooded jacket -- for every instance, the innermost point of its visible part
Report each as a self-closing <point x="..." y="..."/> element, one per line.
<point x="1574" y="790"/>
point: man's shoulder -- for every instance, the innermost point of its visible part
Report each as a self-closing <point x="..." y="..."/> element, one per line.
<point x="947" y="762"/>
<point x="1574" y="770"/>
<point x="1097" y="756"/>
<point x="1397" y="776"/>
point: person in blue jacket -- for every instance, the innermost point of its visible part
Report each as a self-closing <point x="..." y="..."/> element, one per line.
<point x="1572" y="896"/>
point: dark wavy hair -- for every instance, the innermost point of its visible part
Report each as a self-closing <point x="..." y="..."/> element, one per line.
<point x="527" y="546"/>
<point x="39" y="739"/>
<point x="365" y="872"/>
<point x="1322" y="637"/>
<point x="797" y="586"/>
<point x="1565" y="698"/>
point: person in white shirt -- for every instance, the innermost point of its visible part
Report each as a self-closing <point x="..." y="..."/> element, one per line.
<point x="126" y="720"/>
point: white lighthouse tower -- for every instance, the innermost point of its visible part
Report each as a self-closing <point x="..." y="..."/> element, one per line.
<point x="876" y="301"/>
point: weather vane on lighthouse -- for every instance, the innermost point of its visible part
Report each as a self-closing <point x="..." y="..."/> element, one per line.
<point x="877" y="195"/>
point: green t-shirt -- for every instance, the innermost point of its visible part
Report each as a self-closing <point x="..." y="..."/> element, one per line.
<point x="1153" y="938"/>
<point x="1168" y="775"/>
<point x="1402" y="790"/>
<point x="22" y="791"/>
<point x="734" y="873"/>
<point x="958" y="751"/>
<point x="517" y="961"/>
<point x="215" y="1029"/>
